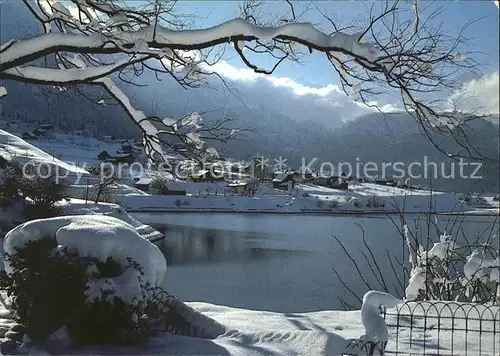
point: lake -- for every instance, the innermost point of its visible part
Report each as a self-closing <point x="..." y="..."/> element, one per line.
<point x="288" y="263"/>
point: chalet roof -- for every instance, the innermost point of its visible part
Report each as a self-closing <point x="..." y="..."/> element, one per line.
<point x="116" y="155"/>
<point x="144" y="181"/>
<point x="121" y="155"/>
<point x="281" y="176"/>
<point x="237" y="184"/>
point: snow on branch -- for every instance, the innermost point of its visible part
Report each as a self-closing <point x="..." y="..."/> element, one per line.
<point x="53" y="76"/>
<point x="157" y="38"/>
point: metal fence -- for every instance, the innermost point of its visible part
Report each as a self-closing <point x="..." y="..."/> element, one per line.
<point x="443" y="328"/>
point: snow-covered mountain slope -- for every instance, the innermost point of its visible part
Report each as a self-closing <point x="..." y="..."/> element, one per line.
<point x="15" y="148"/>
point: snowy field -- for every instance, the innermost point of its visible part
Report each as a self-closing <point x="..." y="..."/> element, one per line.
<point x="359" y="198"/>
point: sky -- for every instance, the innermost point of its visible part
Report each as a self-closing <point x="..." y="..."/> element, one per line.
<point x="316" y="79"/>
<point x="314" y="85"/>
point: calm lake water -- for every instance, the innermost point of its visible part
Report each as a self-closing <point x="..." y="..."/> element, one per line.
<point x="286" y="263"/>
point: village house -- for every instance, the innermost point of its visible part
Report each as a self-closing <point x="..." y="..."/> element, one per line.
<point x="104" y="156"/>
<point x="305" y="174"/>
<point x="143" y="183"/>
<point x="237" y="187"/>
<point x="386" y="181"/>
<point x="126" y="148"/>
<point x="108" y="138"/>
<point x="207" y="175"/>
<point x="332" y="179"/>
<point x="46" y="127"/>
<point x="283" y="180"/>
<point x="29" y="136"/>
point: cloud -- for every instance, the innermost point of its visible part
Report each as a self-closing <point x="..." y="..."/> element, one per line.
<point x="227" y="70"/>
<point x="327" y="104"/>
<point x="497" y="3"/>
<point x="479" y="96"/>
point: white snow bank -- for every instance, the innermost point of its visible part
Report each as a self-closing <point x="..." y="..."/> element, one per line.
<point x="315" y="333"/>
<point x="82" y="207"/>
<point x="265" y="333"/>
<point x="13" y="147"/>
<point x="95" y="236"/>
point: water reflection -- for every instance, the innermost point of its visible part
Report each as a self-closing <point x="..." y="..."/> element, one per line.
<point x="287" y="263"/>
<point x="185" y="245"/>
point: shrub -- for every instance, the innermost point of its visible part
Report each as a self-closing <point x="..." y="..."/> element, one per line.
<point x="357" y="203"/>
<point x="48" y="286"/>
<point x="106" y="177"/>
<point x="158" y="186"/>
<point x="375" y="202"/>
<point x="449" y="271"/>
<point x="11" y="176"/>
<point x="44" y="194"/>
<point x="333" y="204"/>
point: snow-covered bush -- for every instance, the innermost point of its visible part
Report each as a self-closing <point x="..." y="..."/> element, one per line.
<point x="357" y="203"/>
<point x="375" y="202"/>
<point x="333" y="204"/>
<point x="91" y="274"/>
<point x="449" y="271"/>
<point x="10" y="177"/>
<point x="158" y="186"/>
<point x="467" y="271"/>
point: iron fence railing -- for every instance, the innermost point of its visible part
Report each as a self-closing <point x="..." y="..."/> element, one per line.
<point x="443" y="328"/>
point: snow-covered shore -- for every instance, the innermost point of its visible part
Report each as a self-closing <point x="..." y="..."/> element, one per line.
<point x="364" y="198"/>
<point x="81" y="207"/>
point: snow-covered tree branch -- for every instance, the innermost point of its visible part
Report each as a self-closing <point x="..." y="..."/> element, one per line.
<point x="97" y="42"/>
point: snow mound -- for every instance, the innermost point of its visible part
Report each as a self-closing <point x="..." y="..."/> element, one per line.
<point x="96" y="236"/>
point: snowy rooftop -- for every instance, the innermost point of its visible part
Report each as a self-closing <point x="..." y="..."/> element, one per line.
<point x="281" y="176"/>
<point x="144" y="181"/>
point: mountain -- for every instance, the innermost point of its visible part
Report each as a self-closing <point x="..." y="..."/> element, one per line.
<point x="277" y="124"/>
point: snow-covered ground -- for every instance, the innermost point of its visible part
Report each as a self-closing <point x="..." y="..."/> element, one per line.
<point x="328" y="332"/>
<point x="359" y="198"/>
<point x="13" y="147"/>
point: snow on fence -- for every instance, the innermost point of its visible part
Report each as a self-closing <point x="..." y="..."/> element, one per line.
<point x="443" y="328"/>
